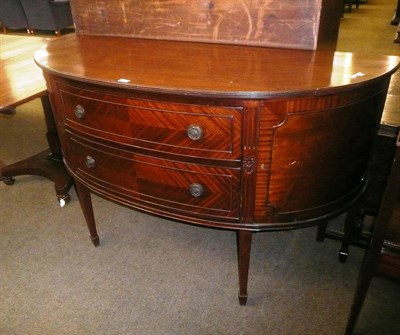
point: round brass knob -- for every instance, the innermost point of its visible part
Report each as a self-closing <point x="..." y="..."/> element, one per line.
<point x="194" y="132"/>
<point x="79" y="112"/>
<point x="196" y="190"/>
<point x="90" y="162"/>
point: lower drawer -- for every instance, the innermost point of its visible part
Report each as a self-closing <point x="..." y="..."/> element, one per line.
<point x="150" y="183"/>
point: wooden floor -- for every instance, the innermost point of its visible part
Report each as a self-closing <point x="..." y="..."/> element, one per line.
<point x="368" y="30"/>
<point x="20" y="78"/>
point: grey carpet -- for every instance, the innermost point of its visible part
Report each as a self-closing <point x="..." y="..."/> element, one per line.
<point x="153" y="276"/>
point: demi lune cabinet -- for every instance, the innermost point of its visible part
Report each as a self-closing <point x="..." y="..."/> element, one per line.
<point x="233" y="137"/>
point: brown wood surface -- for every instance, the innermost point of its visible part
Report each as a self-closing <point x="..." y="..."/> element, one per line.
<point x="287" y="135"/>
<point x="290" y="115"/>
<point x="154" y="125"/>
<point x="283" y="23"/>
<point x="209" y="70"/>
<point x="389" y="263"/>
<point x="391" y="113"/>
<point x="393" y="233"/>
<point x="316" y="157"/>
<point x="21" y="80"/>
<point x="148" y="182"/>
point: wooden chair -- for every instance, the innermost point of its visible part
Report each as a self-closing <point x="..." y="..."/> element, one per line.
<point x="12" y="15"/>
<point x="354" y="232"/>
<point x="382" y="200"/>
<point x="381" y="258"/>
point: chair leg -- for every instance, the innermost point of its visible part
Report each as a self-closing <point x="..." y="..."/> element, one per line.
<point x="350" y="2"/>
<point x="352" y="228"/>
<point x="8" y="111"/>
<point x="397" y="39"/>
<point x="372" y="256"/>
<point x="363" y="284"/>
<point x="321" y="231"/>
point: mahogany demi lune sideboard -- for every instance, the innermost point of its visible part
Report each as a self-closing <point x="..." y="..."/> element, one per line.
<point x="232" y="137"/>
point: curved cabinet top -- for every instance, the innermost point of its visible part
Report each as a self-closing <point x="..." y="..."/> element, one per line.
<point x="208" y="70"/>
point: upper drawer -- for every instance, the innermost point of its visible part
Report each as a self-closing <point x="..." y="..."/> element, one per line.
<point x="184" y="129"/>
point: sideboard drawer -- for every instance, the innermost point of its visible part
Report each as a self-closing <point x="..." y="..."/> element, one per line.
<point x="153" y="182"/>
<point x="184" y="129"/>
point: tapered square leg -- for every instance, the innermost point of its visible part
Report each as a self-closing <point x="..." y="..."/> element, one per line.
<point x="243" y="240"/>
<point x="85" y="201"/>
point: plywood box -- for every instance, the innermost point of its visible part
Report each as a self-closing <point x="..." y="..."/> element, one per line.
<point x="272" y="23"/>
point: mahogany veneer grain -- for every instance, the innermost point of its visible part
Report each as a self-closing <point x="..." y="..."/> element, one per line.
<point x="298" y="126"/>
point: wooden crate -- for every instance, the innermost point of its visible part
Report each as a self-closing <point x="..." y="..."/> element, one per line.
<point x="272" y="23"/>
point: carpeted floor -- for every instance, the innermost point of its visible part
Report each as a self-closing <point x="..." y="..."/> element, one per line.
<point x="158" y="277"/>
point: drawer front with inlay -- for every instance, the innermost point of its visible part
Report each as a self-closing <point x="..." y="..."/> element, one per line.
<point x="183" y="129"/>
<point x="149" y="182"/>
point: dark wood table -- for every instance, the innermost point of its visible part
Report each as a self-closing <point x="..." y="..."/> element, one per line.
<point x="22" y="81"/>
<point x="235" y="141"/>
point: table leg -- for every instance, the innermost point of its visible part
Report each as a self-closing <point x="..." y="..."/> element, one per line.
<point x="7" y="111"/>
<point x="85" y="202"/>
<point x="47" y="164"/>
<point x="396" y="17"/>
<point x="397" y="39"/>
<point x="243" y="240"/>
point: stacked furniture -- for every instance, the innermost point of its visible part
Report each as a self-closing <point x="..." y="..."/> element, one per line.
<point x="349" y="4"/>
<point x="33" y="15"/>
<point x="12" y="15"/>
